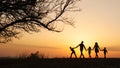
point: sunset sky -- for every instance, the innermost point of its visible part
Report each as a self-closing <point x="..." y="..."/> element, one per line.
<point x="98" y="21"/>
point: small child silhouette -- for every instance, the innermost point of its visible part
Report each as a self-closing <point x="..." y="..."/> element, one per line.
<point x="104" y="51"/>
<point x="73" y="52"/>
<point x="89" y="51"/>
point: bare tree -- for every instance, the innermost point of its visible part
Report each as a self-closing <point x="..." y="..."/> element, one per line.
<point x="31" y="15"/>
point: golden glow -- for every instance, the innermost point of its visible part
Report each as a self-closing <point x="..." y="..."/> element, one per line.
<point x="99" y="21"/>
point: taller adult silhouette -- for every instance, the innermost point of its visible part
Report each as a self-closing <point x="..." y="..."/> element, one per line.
<point x="97" y="48"/>
<point x="82" y="46"/>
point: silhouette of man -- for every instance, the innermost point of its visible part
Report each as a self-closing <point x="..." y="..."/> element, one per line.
<point x="82" y="46"/>
<point x="73" y="52"/>
<point x="105" y="51"/>
<point x="97" y="48"/>
<point x="89" y="51"/>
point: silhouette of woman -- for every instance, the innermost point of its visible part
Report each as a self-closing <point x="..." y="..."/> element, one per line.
<point x="82" y="46"/>
<point x="73" y="52"/>
<point x="89" y="51"/>
<point x="96" y="47"/>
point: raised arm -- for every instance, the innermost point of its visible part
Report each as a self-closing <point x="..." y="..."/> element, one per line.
<point x="77" y="46"/>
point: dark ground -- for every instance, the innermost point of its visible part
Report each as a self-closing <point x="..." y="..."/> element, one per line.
<point x="59" y="63"/>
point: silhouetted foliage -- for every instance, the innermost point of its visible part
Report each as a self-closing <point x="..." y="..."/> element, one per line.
<point x="31" y="15"/>
<point x="33" y="56"/>
<point x="36" y="55"/>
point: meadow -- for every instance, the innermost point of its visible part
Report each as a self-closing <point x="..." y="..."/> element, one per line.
<point x="59" y="63"/>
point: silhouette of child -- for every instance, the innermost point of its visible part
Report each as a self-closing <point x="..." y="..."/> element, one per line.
<point x="89" y="51"/>
<point x="73" y="52"/>
<point x="104" y="51"/>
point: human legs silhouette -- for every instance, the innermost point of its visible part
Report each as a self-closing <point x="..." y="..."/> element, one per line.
<point x="71" y="55"/>
<point x="75" y="55"/>
<point x="96" y="55"/>
<point x="104" y="55"/>
<point x="81" y="55"/>
<point x="89" y="55"/>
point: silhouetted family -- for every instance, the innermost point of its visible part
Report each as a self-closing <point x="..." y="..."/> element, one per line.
<point x="82" y="46"/>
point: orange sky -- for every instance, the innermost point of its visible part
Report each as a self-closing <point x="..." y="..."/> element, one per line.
<point x="99" y="21"/>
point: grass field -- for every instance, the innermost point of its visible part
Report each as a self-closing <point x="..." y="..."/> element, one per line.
<point x="59" y="63"/>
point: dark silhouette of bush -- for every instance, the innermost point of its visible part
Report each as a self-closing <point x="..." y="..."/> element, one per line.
<point x="36" y="55"/>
